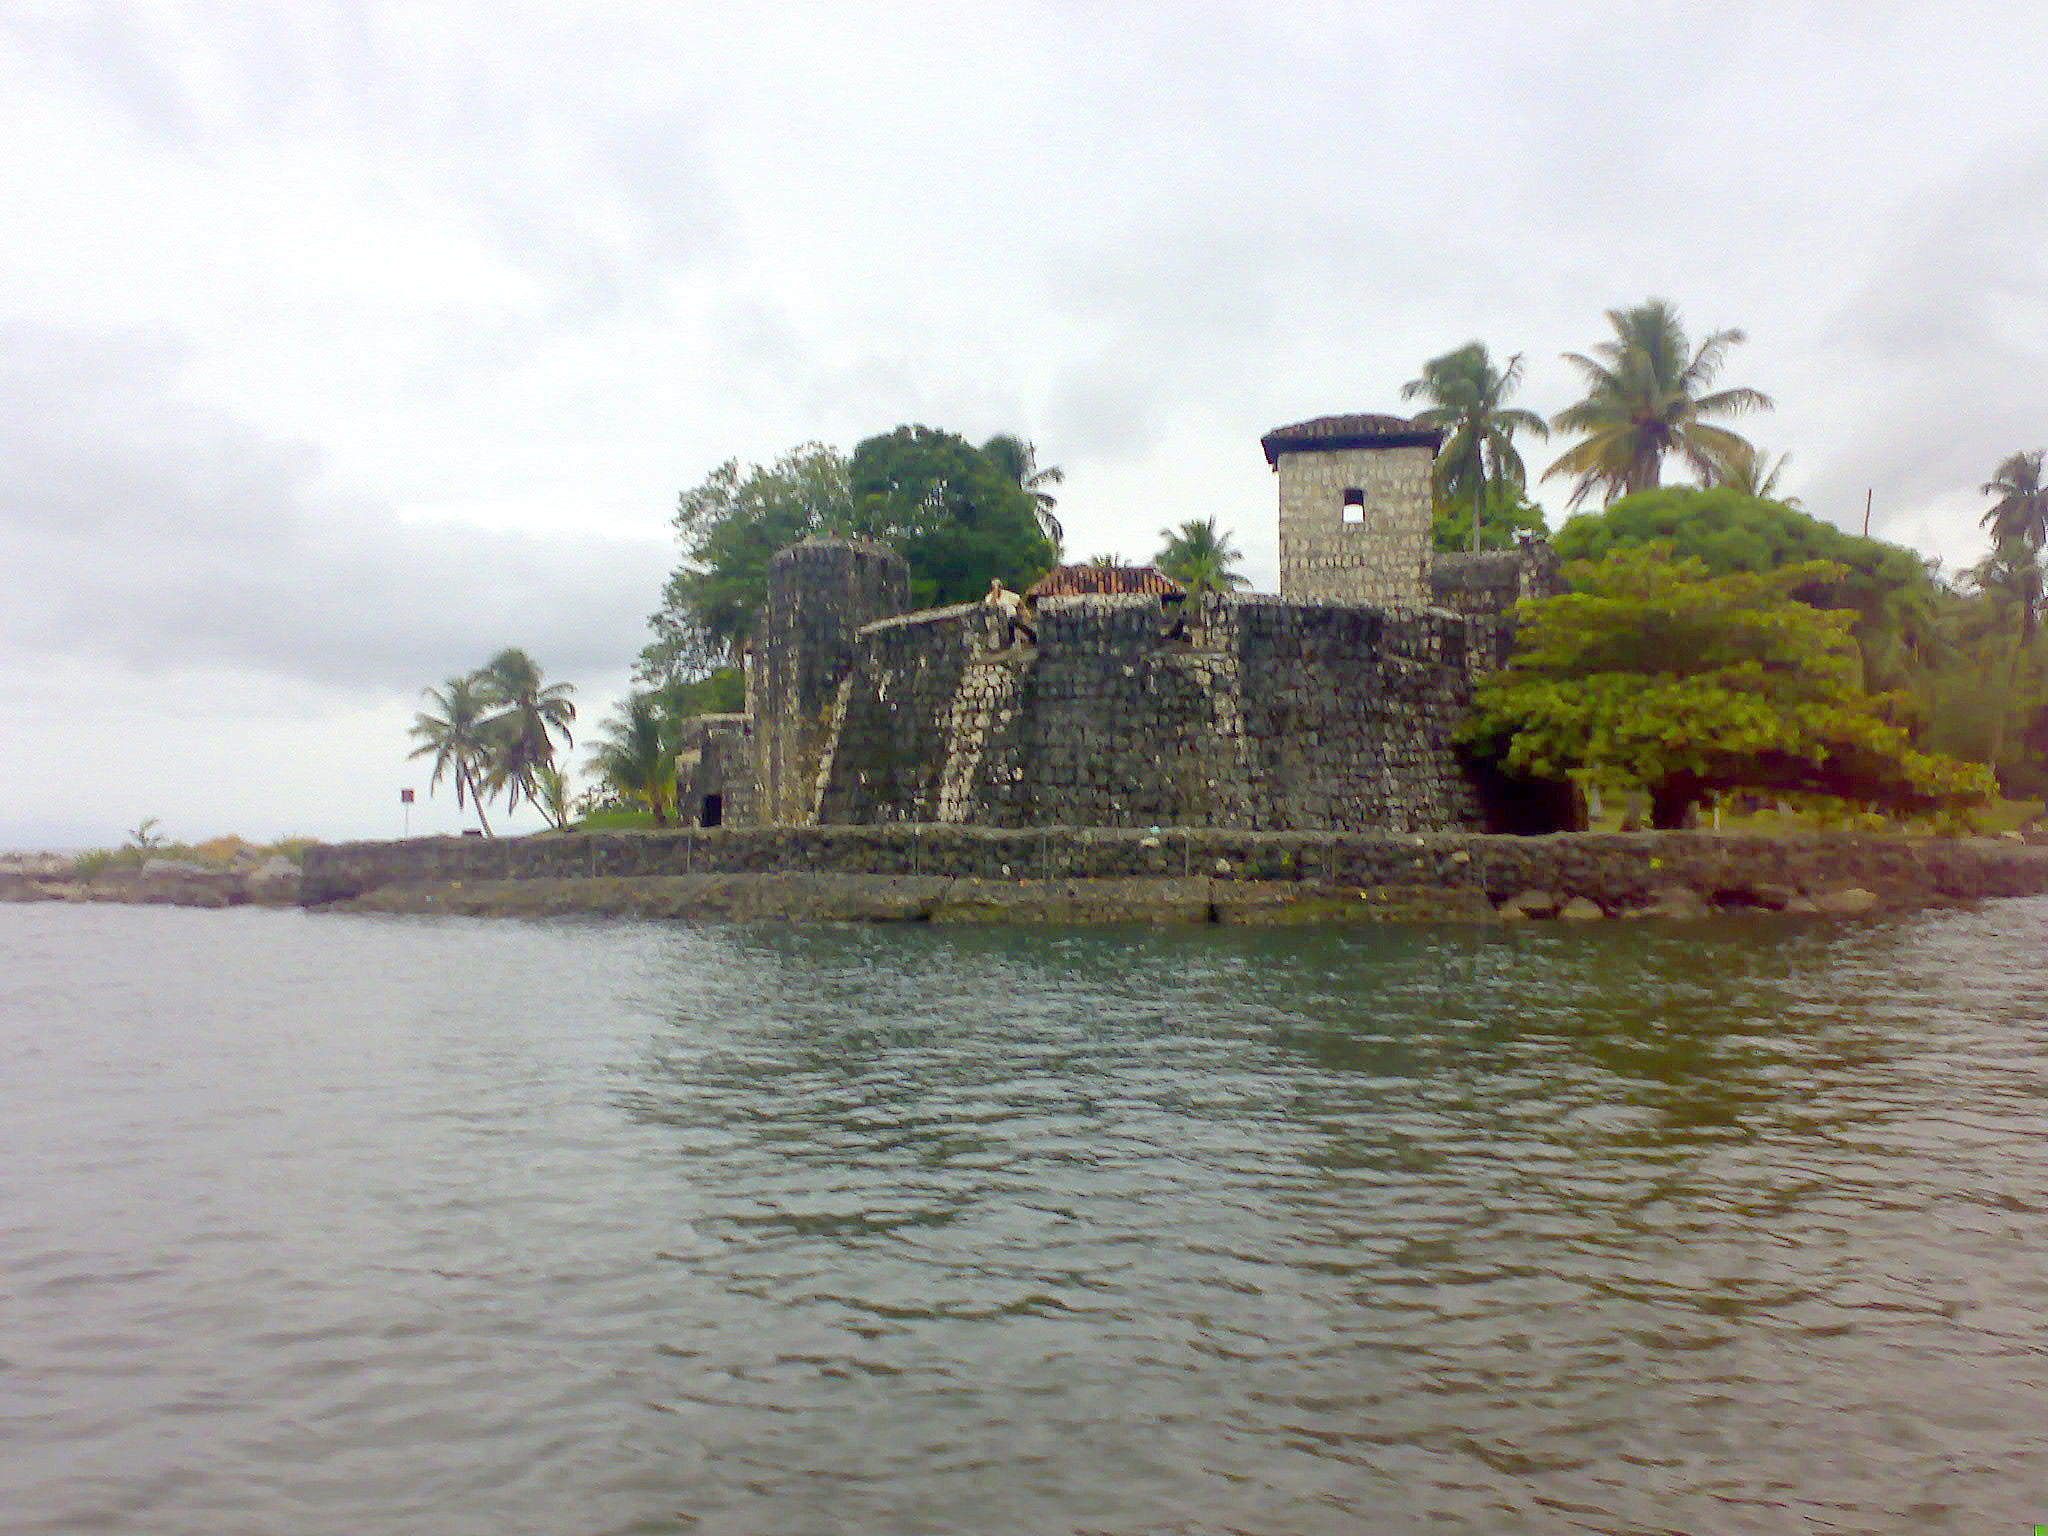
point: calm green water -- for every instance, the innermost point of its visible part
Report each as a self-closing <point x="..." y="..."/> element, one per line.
<point x="318" y="1225"/>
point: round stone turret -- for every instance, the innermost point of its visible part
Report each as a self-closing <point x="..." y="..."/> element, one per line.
<point x="1355" y="508"/>
<point x="820" y="592"/>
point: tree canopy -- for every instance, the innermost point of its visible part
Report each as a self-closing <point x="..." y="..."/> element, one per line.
<point x="2020" y="515"/>
<point x="493" y="731"/>
<point x="635" y="755"/>
<point x="1507" y="515"/>
<point x="1655" y="673"/>
<point x="1200" y="556"/>
<point x="1468" y="398"/>
<point x="1887" y="587"/>
<point x="1644" y="400"/>
<point x="957" y="515"/>
<point x="730" y="527"/>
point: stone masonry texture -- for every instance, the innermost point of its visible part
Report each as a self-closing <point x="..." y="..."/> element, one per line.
<point x="1619" y="871"/>
<point x="1384" y="557"/>
<point x="819" y="593"/>
<point x="1235" y="712"/>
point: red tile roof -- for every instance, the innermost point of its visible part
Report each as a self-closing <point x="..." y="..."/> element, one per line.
<point x="1089" y="580"/>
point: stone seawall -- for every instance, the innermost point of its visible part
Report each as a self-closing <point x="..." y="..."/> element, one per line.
<point x="1094" y="874"/>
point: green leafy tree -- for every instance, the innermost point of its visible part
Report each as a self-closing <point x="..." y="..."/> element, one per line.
<point x="1507" y="517"/>
<point x="1888" y="587"/>
<point x="958" y="516"/>
<point x="723" y="692"/>
<point x="1017" y="459"/>
<point x="530" y="713"/>
<point x="1653" y="673"/>
<point x="1200" y="556"/>
<point x="635" y="755"/>
<point x="959" y="519"/>
<point x="455" y="735"/>
<point x="729" y="528"/>
<point x="1467" y="398"/>
<point x="1645" y="398"/>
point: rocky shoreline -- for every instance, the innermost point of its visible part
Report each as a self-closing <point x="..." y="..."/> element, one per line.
<point x="1091" y="875"/>
<point x="158" y="882"/>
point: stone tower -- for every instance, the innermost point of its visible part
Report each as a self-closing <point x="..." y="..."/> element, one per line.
<point x="819" y="593"/>
<point x="1354" y="509"/>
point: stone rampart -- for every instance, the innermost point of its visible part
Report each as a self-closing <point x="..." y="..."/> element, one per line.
<point x="1240" y="712"/>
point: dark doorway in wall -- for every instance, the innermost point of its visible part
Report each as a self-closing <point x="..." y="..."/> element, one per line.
<point x="1354" y="505"/>
<point x="714" y="811"/>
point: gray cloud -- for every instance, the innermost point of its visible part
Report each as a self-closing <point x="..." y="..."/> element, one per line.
<point x="1944" y="354"/>
<point x="560" y="139"/>
<point x="141" y="528"/>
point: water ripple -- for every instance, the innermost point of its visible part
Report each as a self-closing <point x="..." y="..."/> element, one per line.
<point x="315" y="1225"/>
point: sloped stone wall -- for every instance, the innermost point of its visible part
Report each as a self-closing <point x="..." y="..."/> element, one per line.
<point x="1252" y="713"/>
<point x="820" y="592"/>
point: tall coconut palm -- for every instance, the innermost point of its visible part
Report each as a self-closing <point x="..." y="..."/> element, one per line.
<point x="1468" y="400"/>
<point x="1018" y="460"/>
<point x="2020" y="515"/>
<point x="1199" y="556"/>
<point x="1644" y="400"/>
<point x="458" y="740"/>
<point x="530" y="714"/>
<point x="636" y="755"/>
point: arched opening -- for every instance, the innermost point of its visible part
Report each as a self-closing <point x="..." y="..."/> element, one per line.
<point x="1354" y="505"/>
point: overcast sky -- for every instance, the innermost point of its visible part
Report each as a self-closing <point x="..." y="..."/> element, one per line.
<point x="342" y="344"/>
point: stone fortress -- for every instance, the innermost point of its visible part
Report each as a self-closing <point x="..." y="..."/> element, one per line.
<point x="1331" y="707"/>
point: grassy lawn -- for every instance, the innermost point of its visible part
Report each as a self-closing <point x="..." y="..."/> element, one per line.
<point x="615" y="821"/>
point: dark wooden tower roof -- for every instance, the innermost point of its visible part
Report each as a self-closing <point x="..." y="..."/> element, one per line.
<point x="1362" y="431"/>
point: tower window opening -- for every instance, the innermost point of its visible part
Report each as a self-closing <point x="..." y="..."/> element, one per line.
<point x="1354" y="505"/>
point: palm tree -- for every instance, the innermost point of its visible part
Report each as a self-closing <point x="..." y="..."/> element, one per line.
<point x="1468" y="396"/>
<point x="530" y="715"/>
<point x="552" y="784"/>
<point x="1199" y="556"/>
<point x="458" y="739"/>
<point x="1018" y="461"/>
<point x="2020" y="515"/>
<point x="1754" y="473"/>
<point x="1109" y="562"/>
<point x="2009" y="580"/>
<point x="1644" y="400"/>
<point x="636" y="755"/>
